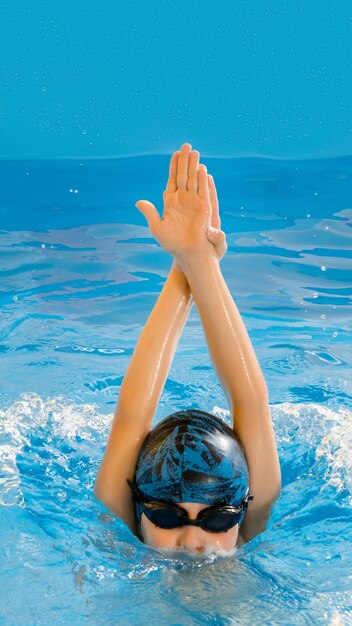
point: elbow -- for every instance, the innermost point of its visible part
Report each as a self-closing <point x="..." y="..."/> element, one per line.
<point x="104" y="500"/>
<point x="99" y="493"/>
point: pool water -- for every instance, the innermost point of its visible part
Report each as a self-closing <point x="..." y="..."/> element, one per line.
<point x="80" y="274"/>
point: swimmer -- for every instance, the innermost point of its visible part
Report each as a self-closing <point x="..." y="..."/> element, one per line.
<point x="192" y="482"/>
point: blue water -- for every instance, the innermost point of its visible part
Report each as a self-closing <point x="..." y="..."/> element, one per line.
<point x="80" y="274"/>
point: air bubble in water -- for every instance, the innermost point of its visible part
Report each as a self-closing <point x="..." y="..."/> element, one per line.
<point x="84" y="132"/>
<point x="323" y="268"/>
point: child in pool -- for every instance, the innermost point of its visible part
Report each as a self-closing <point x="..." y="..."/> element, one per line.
<point x="190" y="231"/>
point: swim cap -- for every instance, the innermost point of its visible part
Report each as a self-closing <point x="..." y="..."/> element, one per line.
<point x="192" y="456"/>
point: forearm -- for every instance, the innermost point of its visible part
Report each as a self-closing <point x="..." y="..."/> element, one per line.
<point x="148" y="369"/>
<point x="229" y="345"/>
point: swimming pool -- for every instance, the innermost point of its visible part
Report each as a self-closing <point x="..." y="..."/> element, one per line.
<point x="79" y="275"/>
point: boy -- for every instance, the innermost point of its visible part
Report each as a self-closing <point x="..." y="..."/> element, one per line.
<point x="189" y="231"/>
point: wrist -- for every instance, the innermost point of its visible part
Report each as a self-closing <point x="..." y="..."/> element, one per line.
<point x="179" y="279"/>
<point x="197" y="260"/>
<point x="175" y="266"/>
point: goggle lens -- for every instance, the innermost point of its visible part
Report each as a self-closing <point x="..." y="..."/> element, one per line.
<point x="215" y="521"/>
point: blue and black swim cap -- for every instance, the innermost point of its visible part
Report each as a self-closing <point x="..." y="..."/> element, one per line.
<point x="192" y="456"/>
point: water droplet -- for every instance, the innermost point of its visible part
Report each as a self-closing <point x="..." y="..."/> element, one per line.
<point x="84" y="132"/>
<point x="43" y="89"/>
<point x="43" y="245"/>
<point x="316" y="193"/>
<point x="326" y="227"/>
<point x="323" y="316"/>
<point x="323" y="268"/>
<point x="334" y="334"/>
<point x="76" y="190"/>
<point x="315" y="295"/>
<point x="15" y="298"/>
<point x="308" y="215"/>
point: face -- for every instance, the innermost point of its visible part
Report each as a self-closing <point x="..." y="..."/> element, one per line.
<point x="188" y="538"/>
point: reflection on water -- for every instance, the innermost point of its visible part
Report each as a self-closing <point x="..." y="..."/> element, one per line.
<point x="76" y="289"/>
<point x="50" y="454"/>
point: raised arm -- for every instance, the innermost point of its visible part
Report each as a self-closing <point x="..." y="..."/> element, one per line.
<point x="241" y="377"/>
<point x="139" y="395"/>
<point x="145" y="377"/>
<point x="181" y="232"/>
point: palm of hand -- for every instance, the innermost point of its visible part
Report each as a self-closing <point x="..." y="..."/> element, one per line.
<point x="185" y="220"/>
<point x="190" y="208"/>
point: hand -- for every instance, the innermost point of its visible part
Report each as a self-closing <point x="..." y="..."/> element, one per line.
<point x="216" y="236"/>
<point x="187" y="208"/>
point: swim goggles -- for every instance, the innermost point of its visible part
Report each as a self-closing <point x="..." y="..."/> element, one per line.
<point x="215" y="519"/>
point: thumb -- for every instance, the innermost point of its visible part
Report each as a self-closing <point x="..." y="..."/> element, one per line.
<point x="213" y="234"/>
<point x="218" y="239"/>
<point x="149" y="211"/>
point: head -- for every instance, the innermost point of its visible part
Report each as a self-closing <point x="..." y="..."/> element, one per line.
<point x="191" y="460"/>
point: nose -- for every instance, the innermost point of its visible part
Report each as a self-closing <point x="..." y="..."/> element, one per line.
<point x="190" y="539"/>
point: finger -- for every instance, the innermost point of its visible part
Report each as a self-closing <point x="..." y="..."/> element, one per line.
<point x="193" y="164"/>
<point x="172" y="182"/>
<point x="203" y="189"/>
<point x="182" y="166"/>
<point x="215" y="218"/>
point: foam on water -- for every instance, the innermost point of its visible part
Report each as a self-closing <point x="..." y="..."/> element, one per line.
<point x="50" y="453"/>
<point x="79" y="274"/>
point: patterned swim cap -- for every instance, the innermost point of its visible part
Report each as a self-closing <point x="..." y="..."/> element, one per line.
<point x="192" y="456"/>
